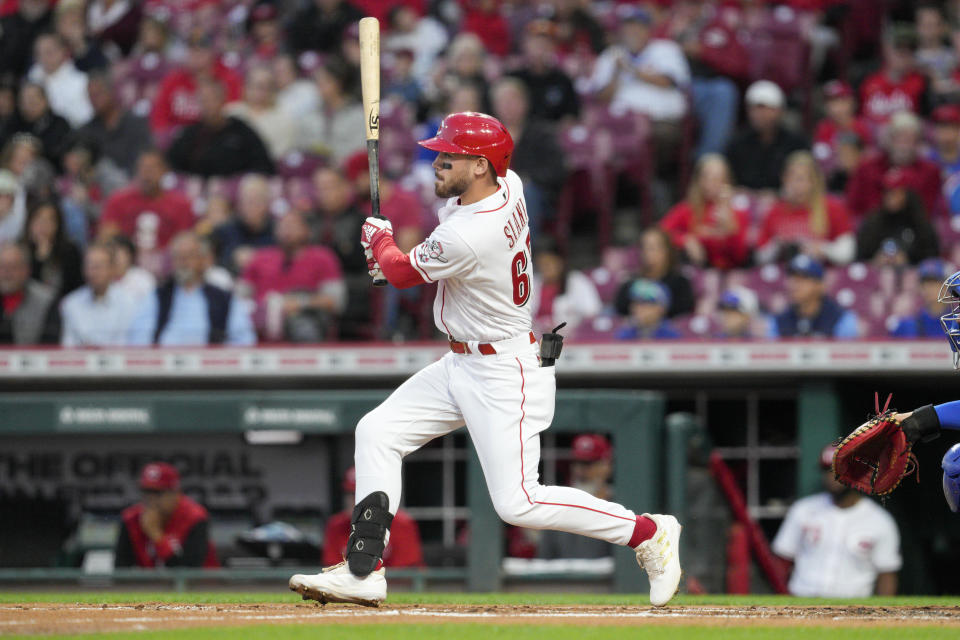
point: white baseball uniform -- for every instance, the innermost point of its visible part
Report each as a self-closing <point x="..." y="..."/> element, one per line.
<point x="837" y="552"/>
<point x="480" y="255"/>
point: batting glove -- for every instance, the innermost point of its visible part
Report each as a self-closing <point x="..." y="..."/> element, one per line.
<point x="372" y="229"/>
<point x="373" y="267"/>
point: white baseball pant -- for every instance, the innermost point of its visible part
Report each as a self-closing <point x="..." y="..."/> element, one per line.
<point x="505" y="400"/>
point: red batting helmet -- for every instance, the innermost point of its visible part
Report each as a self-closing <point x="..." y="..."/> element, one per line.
<point x="474" y="134"/>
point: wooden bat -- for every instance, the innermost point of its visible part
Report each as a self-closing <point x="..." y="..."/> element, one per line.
<point x="370" y="85"/>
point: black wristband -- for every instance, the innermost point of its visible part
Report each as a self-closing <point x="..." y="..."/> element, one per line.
<point x="923" y="425"/>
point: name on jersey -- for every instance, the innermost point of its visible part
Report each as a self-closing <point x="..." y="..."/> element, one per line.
<point x="516" y="223"/>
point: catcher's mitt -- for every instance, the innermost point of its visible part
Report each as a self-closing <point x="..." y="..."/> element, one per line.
<point x="876" y="456"/>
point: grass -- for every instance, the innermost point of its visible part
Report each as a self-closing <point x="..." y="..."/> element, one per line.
<point x="496" y="632"/>
<point x="226" y="597"/>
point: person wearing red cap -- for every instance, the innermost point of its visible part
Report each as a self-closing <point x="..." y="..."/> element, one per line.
<point x="404" y="549"/>
<point x="840" y="111"/>
<point x="899" y="232"/>
<point x="495" y="381"/>
<point x="841" y="544"/>
<point x="165" y="529"/>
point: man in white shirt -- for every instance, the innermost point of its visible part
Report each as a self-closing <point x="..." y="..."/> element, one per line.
<point x="642" y="74"/>
<point x="100" y="313"/>
<point x="66" y="87"/>
<point x="842" y="544"/>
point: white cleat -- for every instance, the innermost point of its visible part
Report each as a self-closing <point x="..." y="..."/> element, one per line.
<point x="337" y="584"/>
<point x="660" y="557"/>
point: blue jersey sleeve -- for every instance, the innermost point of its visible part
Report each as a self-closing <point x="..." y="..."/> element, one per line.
<point x="949" y="414"/>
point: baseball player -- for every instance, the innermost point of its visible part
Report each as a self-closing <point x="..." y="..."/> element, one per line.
<point x="493" y="380"/>
<point x="927" y="422"/>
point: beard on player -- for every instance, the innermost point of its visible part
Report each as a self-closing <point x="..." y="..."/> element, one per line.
<point x="452" y="187"/>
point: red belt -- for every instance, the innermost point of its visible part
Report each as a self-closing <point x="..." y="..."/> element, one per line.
<point x="485" y="348"/>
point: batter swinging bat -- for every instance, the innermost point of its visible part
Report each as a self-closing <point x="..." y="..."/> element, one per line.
<point x="370" y="85"/>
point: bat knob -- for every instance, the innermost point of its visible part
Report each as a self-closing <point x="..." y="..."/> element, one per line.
<point x="380" y="283"/>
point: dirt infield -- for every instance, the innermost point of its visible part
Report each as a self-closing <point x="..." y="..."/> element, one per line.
<point x="66" y="618"/>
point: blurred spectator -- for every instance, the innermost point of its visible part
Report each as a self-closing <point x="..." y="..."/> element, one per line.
<point x="403" y="207"/>
<point x="318" y="25"/>
<point x="659" y="262"/>
<point x="740" y="317"/>
<point x="649" y="302"/>
<point x="66" y="87"/>
<point x="404" y="548"/>
<point x="591" y="469"/>
<point x="120" y="135"/>
<point x="717" y="59"/>
<point x="561" y="294"/>
<point x="934" y="56"/>
<point x="98" y="314"/>
<point x="13" y="212"/>
<point x="463" y="65"/>
<point x="849" y="150"/>
<point x="402" y="308"/>
<point x="55" y="260"/>
<point x="20" y="30"/>
<point x="945" y="152"/>
<point x="812" y="313"/>
<point x="28" y="309"/>
<point x="423" y="36"/>
<point x="238" y="239"/>
<point x="166" y="528"/>
<point x="899" y="232"/>
<point x="264" y="31"/>
<point x="925" y="323"/>
<point x="646" y="75"/>
<point x="185" y="311"/>
<point x="134" y="280"/>
<point x="537" y="157"/>
<point x="483" y="18"/>
<point x="177" y="102"/>
<point x="35" y="117"/>
<point x="71" y="25"/>
<point x="146" y="211"/>
<point x="403" y="84"/>
<point x="82" y="187"/>
<point x="332" y="130"/>
<point x="840" y="120"/>
<point x="219" y="144"/>
<point x="259" y="109"/>
<point x="550" y="90"/>
<point x="841" y="543"/>
<point x="900" y="150"/>
<point x="299" y="289"/>
<point x="758" y="152"/>
<point x="898" y="86"/>
<point x="578" y="31"/>
<point x="296" y="96"/>
<point x="115" y="22"/>
<point x="214" y="274"/>
<point x="336" y="224"/>
<point x="708" y="227"/>
<point x="806" y="219"/>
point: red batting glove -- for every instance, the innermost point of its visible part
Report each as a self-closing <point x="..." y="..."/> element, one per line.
<point x="373" y="229"/>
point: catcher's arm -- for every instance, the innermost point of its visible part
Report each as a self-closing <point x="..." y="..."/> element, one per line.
<point x="923" y="424"/>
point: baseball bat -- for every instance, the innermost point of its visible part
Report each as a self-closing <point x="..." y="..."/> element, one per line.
<point x="370" y="86"/>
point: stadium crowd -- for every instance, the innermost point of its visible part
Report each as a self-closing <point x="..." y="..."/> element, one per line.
<point x="190" y="172"/>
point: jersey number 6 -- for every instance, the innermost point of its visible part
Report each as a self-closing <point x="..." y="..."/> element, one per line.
<point x="521" y="281"/>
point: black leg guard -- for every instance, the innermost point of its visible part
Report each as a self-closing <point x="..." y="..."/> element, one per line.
<point x="368" y="532"/>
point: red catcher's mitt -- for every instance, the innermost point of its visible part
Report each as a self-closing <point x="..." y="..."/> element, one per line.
<point x="876" y="456"/>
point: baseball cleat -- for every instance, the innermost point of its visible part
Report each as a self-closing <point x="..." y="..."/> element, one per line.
<point x="337" y="584"/>
<point x="660" y="557"/>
